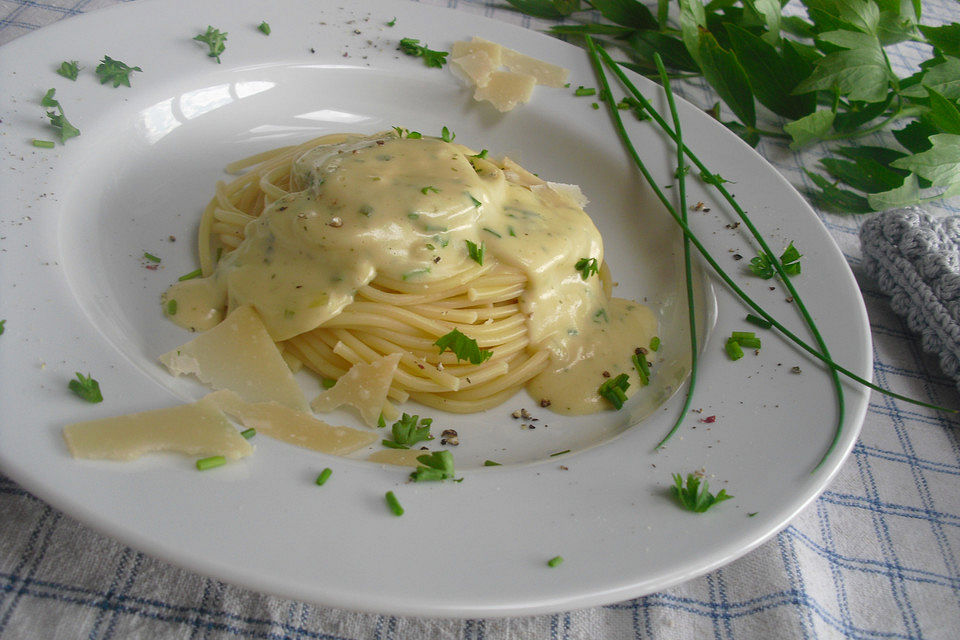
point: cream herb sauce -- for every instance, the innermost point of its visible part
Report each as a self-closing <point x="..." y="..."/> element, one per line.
<point x="404" y="209"/>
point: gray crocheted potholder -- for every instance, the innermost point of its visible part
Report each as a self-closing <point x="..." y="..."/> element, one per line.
<point x="915" y="257"/>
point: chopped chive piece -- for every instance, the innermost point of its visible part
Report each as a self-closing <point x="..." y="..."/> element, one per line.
<point x="585" y="91"/>
<point x="392" y="23"/>
<point x="427" y="190"/>
<point x="150" y="257"/>
<point x="749" y="343"/>
<point x="327" y="383"/>
<point x="43" y="144"/>
<point x="393" y="503"/>
<point x="614" y="390"/>
<point x="760" y="322"/>
<point x="555" y="561"/>
<point x="491" y="463"/>
<point x="489" y="230"/>
<point x="212" y="462"/>
<point x="196" y="273"/>
<point x="476" y="203"/>
<point x="739" y="335"/>
<point x="172" y="307"/>
<point x="2" y="324"/>
<point x="750" y="515"/>
<point x="475" y="251"/>
<point x="324" y="476"/>
<point x="642" y="367"/>
<point x="654" y="344"/>
<point x="733" y="349"/>
<point x="560" y="453"/>
<point x="264" y="28"/>
<point x="248" y="433"/>
<point x="511" y="232"/>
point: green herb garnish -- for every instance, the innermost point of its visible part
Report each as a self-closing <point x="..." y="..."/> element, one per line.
<point x="655" y="344"/>
<point x="695" y="497"/>
<point x="215" y="41"/>
<point x="324" y="476"/>
<point x="491" y="463"/>
<point x="44" y="144"/>
<point x="427" y="190"/>
<point x="172" y="307"/>
<point x="762" y="265"/>
<point x="86" y="388"/>
<point x="412" y="47"/>
<point x="475" y="251"/>
<point x="196" y="273"/>
<point x="446" y="135"/>
<point x="248" y="433"/>
<point x="393" y="503"/>
<point x="434" y="466"/>
<point x="69" y="70"/>
<point x="3" y="324"/>
<point x="757" y="320"/>
<point x="203" y="464"/>
<point x="115" y="71"/>
<point x="463" y="347"/>
<point x="555" y="561"/>
<point x="57" y="118"/>
<point x="150" y="257"/>
<point x="584" y="91"/>
<point x="614" y="390"/>
<point x="407" y="432"/>
<point x="392" y="23"/>
<point x="587" y="267"/>
<point x="642" y="366"/>
<point x="263" y="28"/>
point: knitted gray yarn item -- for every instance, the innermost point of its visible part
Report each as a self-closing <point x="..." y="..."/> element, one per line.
<point x="915" y="257"/>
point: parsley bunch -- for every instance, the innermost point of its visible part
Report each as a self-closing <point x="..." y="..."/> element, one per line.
<point x="827" y="76"/>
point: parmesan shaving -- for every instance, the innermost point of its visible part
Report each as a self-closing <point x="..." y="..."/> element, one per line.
<point x="545" y="73"/>
<point x="198" y="429"/>
<point x="506" y="89"/>
<point x="364" y="386"/>
<point x="238" y="354"/>
<point x="474" y="68"/>
<point x="282" y="423"/>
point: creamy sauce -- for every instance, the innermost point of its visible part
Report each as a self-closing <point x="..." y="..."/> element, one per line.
<point x="407" y="209"/>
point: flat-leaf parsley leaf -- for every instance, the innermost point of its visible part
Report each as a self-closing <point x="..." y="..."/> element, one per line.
<point x="115" y="71"/>
<point x="695" y="497"/>
<point x="69" y="70"/>
<point x="463" y="347"/>
<point x="215" y="40"/>
<point x="86" y="387"/>
<point x="431" y="58"/>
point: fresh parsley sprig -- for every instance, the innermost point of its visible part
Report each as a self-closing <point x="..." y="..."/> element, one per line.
<point x="69" y="69"/>
<point x="115" y="71"/>
<point x="58" y="120"/>
<point x="86" y="388"/>
<point x="827" y="75"/>
<point x="434" y="466"/>
<point x="408" y="431"/>
<point x="587" y="267"/>
<point x="762" y="265"/>
<point x="431" y="58"/>
<point x="695" y="496"/>
<point x="216" y="41"/>
<point x="463" y="347"/>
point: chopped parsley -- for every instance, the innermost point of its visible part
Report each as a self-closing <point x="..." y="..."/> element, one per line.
<point x="69" y="70"/>
<point x="587" y="267"/>
<point x="446" y="135"/>
<point x="248" y="433"/>
<point x="427" y="190"/>
<point x="57" y="118"/>
<point x="463" y="347"/>
<point x="762" y="265"/>
<point x="475" y="251"/>
<point x="431" y="58"/>
<point x="263" y="28"/>
<point x="115" y="71"/>
<point x="695" y="497"/>
<point x="86" y="388"/>
<point x="406" y="432"/>
<point x="434" y="466"/>
<point x="614" y="390"/>
<point x="196" y="273"/>
<point x="215" y="40"/>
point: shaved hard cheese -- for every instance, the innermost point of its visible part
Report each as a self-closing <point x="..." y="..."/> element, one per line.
<point x="198" y="429"/>
<point x="474" y="68"/>
<point x="363" y="387"/>
<point x="465" y="47"/>
<point x="547" y="74"/>
<point x="506" y="89"/>
<point x="238" y="354"/>
<point x="398" y="457"/>
<point x="300" y="429"/>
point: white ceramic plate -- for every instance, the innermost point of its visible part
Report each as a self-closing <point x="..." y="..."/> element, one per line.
<point x="77" y="219"/>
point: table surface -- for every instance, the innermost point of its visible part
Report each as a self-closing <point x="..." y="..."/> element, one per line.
<point x="877" y="555"/>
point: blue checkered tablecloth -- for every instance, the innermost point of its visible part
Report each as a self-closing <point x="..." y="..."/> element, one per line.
<point x="876" y="556"/>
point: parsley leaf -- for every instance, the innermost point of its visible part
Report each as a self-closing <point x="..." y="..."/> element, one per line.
<point x="406" y="432"/>
<point x="463" y="347"/>
<point x="69" y="70"/>
<point x="263" y="28"/>
<point x="587" y="267"/>
<point x="434" y="466"/>
<point x="215" y="40"/>
<point x="115" y="71"/>
<point x="86" y="387"/>
<point x="762" y="266"/>
<point x="57" y="118"/>
<point x="475" y="251"/>
<point x="695" y="497"/>
<point x="431" y="58"/>
<point x="446" y="135"/>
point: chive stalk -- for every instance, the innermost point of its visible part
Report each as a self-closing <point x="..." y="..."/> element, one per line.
<point x="203" y="464"/>
<point x="393" y="503"/>
<point x="324" y="476"/>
